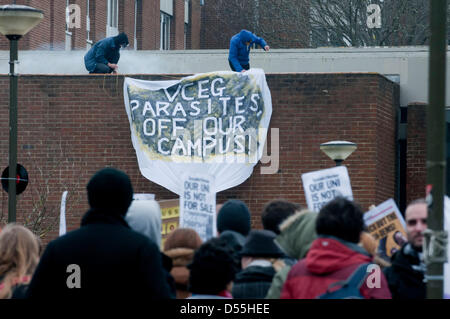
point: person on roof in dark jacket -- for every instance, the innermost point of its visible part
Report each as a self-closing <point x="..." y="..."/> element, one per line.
<point x="334" y="256"/>
<point x="240" y="44"/>
<point x="406" y="275"/>
<point x="260" y="261"/>
<point x="105" y="54"/>
<point x="104" y="258"/>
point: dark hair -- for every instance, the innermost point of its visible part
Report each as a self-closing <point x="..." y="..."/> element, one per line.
<point x="212" y="268"/>
<point x="276" y="212"/>
<point x="341" y="218"/>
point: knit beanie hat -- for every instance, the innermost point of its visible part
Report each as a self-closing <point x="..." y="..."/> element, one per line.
<point x="110" y="191"/>
<point x="121" y="39"/>
<point x="234" y="215"/>
<point x="260" y="243"/>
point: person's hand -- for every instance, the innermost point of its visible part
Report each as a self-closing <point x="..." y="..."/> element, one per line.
<point x="266" y="48"/>
<point x="243" y="70"/>
<point x="113" y="66"/>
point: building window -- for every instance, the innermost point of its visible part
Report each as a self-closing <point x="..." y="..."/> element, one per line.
<point x="112" y="22"/>
<point x="165" y="31"/>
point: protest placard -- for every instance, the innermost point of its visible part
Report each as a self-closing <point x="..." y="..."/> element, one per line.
<point x="386" y="224"/>
<point x="170" y="217"/>
<point x="198" y="205"/>
<point x="322" y="186"/>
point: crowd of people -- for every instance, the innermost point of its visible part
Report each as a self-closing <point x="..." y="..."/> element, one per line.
<point x="298" y="254"/>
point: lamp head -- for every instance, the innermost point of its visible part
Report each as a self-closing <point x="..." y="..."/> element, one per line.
<point x="18" y="20"/>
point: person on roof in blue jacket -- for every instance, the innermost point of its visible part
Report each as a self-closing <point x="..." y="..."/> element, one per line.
<point x="104" y="55"/>
<point x="240" y="49"/>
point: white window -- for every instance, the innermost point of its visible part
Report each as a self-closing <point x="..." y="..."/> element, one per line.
<point x="165" y="31"/>
<point x="112" y="21"/>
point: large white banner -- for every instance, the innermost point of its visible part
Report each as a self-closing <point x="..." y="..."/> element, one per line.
<point x="214" y="123"/>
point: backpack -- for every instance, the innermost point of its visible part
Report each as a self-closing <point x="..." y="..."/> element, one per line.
<point x="349" y="287"/>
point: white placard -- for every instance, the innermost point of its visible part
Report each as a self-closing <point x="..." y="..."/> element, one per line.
<point x="322" y="186"/>
<point x="62" y="215"/>
<point x="198" y="205"/>
<point x="144" y="196"/>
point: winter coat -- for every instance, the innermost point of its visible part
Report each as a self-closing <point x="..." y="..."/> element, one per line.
<point x="114" y="262"/>
<point x="253" y="282"/>
<point x="239" y="51"/>
<point x="406" y="275"/>
<point x="104" y="51"/>
<point x="329" y="260"/>
<point x="296" y="236"/>
<point x="181" y="257"/>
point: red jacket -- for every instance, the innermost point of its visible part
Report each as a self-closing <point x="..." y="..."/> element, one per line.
<point x="329" y="260"/>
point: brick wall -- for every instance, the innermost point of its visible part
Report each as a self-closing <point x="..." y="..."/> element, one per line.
<point x="416" y="175"/>
<point x="71" y="126"/>
<point x="177" y="26"/>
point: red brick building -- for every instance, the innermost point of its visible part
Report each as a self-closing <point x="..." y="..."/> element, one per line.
<point x="149" y="24"/>
<point x="71" y="126"/>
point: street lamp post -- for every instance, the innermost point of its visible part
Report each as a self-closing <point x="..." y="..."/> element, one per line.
<point x="338" y="151"/>
<point x="15" y="21"/>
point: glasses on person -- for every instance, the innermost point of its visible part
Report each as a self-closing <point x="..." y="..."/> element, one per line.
<point x="413" y="222"/>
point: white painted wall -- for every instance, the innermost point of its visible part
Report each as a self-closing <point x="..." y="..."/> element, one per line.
<point x="410" y="63"/>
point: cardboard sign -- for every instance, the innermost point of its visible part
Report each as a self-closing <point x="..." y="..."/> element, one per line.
<point x="322" y="186"/>
<point x="386" y="224"/>
<point x="198" y="205"/>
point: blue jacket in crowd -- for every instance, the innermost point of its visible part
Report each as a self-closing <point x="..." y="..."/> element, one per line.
<point x="104" y="51"/>
<point x="239" y="52"/>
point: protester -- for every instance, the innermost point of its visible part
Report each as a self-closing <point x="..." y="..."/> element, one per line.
<point x="104" y="258"/>
<point x="334" y="255"/>
<point x="275" y="212"/>
<point x="296" y="236"/>
<point x="212" y="271"/>
<point x="180" y="246"/>
<point x="105" y="54"/>
<point x="19" y="256"/>
<point x="144" y="217"/>
<point x="406" y="275"/>
<point x="233" y="225"/>
<point x="240" y="44"/>
<point x="260" y="260"/>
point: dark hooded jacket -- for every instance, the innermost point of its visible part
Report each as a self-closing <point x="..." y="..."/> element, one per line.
<point x="104" y="258"/>
<point x="253" y="282"/>
<point x="105" y="51"/>
<point x="329" y="260"/>
<point x="406" y="275"/>
<point x="239" y="51"/>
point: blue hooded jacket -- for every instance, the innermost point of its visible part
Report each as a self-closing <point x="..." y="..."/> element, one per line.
<point x="239" y="52"/>
<point x="104" y="51"/>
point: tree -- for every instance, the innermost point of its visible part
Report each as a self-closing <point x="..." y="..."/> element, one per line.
<point x="345" y="22"/>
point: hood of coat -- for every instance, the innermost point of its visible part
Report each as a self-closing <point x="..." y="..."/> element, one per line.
<point x="144" y="217"/>
<point x="245" y="36"/>
<point x="180" y="256"/>
<point x="297" y="233"/>
<point x="329" y="254"/>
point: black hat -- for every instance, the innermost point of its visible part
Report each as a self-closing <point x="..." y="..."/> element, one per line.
<point x="234" y="215"/>
<point x="110" y="191"/>
<point x="121" y="39"/>
<point x="260" y="243"/>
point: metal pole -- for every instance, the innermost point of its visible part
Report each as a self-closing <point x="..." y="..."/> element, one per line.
<point x="436" y="135"/>
<point x="12" y="131"/>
